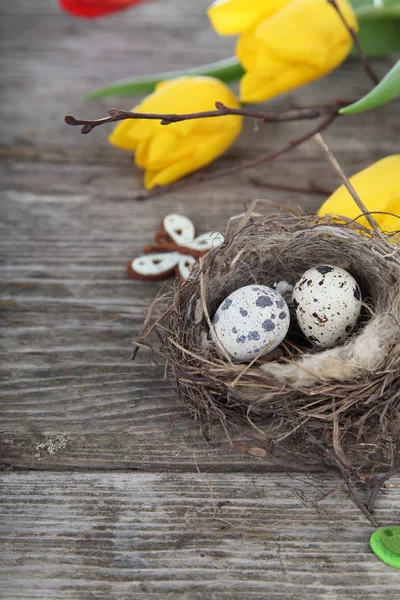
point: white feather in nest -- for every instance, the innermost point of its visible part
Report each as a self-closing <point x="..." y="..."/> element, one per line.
<point x="363" y="353"/>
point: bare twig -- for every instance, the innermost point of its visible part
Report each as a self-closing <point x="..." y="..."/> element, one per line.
<point x="363" y="59"/>
<point x="346" y="471"/>
<point x="145" y="330"/>
<point x="332" y="159"/>
<point x="357" y="501"/>
<point x="201" y="177"/>
<point x="213" y="504"/>
<point x="271" y="155"/>
<point x="381" y="480"/>
<point x="289" y="114"/>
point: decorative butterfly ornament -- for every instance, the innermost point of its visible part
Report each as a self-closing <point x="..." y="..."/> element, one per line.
<point x="175" y="250"/>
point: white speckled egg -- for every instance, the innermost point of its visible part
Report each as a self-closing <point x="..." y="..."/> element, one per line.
<point x="252" y="318"/>
<point x="327" y="301"/>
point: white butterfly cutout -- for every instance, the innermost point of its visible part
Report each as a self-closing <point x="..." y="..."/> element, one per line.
<point x="178" y="234"/>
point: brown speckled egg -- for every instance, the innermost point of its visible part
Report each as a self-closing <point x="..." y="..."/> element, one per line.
<point x="251" y="319"/>
<point x="327" y="301"/>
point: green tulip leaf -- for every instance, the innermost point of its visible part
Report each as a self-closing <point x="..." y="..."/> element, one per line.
<point x="379" y="37"/>
<point x="388" y="89"/>
<point x="228" y="69"/>
<point x="376" y="9"/>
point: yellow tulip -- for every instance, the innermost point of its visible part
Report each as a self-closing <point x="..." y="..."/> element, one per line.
<point x="284" y="44"/>
<point x="378" y="187"/>
<point x="168" y="152"/>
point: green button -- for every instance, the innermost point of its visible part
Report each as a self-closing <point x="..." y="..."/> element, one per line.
<point x="390" y="538"/>
<point x="386" y="545"/>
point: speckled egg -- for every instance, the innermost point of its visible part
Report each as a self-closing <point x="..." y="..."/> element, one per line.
<point x="252" y="318"/>
<point x="327" y="301"/>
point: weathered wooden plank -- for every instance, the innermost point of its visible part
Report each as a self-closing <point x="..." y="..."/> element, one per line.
<point x="68" y="225"/>
<point x="71" y="398"/>
<point x="134" y="535"/>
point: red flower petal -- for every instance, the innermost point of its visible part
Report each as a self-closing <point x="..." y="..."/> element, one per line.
<point x="95" y="8"/>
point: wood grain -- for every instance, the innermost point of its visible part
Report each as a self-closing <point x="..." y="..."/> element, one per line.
<point x="69" y="225"/>
<point x="141" y="525"/>
<point x="135" y="535"/>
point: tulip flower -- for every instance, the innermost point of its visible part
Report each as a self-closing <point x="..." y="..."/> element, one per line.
<point x="378" y="187"/>
<point x="284" y="44"/>
<point x="95" y="8"/>
<point x="168" y="152"/>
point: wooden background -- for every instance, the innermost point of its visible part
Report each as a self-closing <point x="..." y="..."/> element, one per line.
<point x="102" y="497"/>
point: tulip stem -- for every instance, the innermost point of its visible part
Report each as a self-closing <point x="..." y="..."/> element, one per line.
<point x="363" y="59"/>
<point x="289" y="114"/>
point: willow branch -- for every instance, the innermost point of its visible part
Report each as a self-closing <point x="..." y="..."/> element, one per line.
<point x="363" y="59"/>
<point x="271" y="155"/>
<point x="201" y="177"/>
<point x="289" y="114"/>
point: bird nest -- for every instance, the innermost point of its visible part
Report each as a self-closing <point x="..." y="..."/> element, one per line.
<point x="335" y="407"/>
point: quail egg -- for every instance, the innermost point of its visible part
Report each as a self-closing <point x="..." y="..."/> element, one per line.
<point x="327" y="301"/>
<point x="251" y="320"/>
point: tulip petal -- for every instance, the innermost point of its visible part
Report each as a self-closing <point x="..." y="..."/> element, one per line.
<point x="169" y="174"/>
<point x="195" y="94"/>
<point x="257" y="86"/>
<point x="168" y="152"/>
<point x="141" y="152"/>
<point x="299" y="43"/>
<point x="95" y="8"/>
<point x="210" y="147"/>
<point x="122" y="137"/>
<point x="203" y="151"/>
<point x="230" y="17"/>
<point x="163" y="149"/>
<point x="308" y="32"/>
<point x="379" y="188"/>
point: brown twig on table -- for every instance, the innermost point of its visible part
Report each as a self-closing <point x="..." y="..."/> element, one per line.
<point x="289" y="114"/>
<point x="271" y="155"/>
<point x="363" y="59"/>
<point x="213" y="504"/>
<point x="347" y="471"/>
<point x="200" y="177"/>
<point x="375" y="488"/>
<point x="311" y="188"/>
<point x="353" y="495"/>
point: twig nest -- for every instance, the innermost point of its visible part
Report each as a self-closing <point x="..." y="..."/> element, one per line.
<point x="337" y="405"/>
